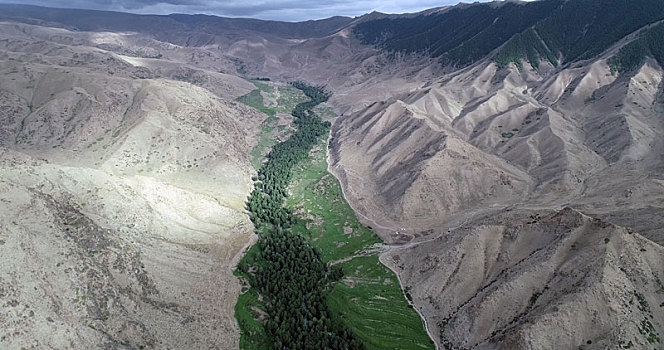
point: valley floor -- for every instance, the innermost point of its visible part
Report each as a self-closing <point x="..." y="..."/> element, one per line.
<point x="369" y="299"/>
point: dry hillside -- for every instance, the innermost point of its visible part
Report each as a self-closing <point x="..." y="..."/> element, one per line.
<point x="122" y="193"/>
<point x="545" y="279"/>
<point x="484" y="138"/>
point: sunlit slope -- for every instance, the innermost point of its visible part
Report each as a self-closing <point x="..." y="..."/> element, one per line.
<point x="122" y="197"/>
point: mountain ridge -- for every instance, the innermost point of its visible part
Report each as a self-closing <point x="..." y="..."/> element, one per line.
<point x="98" y="20"/>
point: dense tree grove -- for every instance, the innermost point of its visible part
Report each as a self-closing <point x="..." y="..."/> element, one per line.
<point x="633" y="55"/>
<point x="459" y="36"/>
<point x="288" y="272"/>
<point x="558" y="31"/>
<point x="265" y="202"/>
<point x="579" y="30"/>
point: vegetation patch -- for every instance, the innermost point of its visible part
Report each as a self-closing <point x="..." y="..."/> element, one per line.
<point x="287" y="98"/>
<point x="251" y="323"/>
<point x="633" y="55"/>
<point x="541" y="30"/>
<point x="266" y="139"/>
<point x="314" y="280"/>
<point x="525" y="45"/>
<point x="284" y="269"/>
<point x="578" y="30"/>
<point x="368" y="299"/>
<point x="255" y="99"/>
<point x="262" y="86"/>
<point x="485" y="28"/>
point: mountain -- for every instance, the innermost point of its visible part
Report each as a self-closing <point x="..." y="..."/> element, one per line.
<point x="460" y="34"/>
<point x="551" y="282"/>
<point x="509" y="154"/>
<point x="175" y="24"/>
<point x="549" y="29"/>
<point x="507" y="135"/>
<point x="122" y="197"/>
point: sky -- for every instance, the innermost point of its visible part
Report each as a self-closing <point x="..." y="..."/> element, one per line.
<point x="281" y="10"/>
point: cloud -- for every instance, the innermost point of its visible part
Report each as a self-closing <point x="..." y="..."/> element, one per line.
<point x="283" y="10"/>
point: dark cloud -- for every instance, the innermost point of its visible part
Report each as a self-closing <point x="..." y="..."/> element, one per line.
<point x="284" y="10"/>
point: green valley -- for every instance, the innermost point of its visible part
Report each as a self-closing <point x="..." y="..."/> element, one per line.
<point x="314" y="278"/>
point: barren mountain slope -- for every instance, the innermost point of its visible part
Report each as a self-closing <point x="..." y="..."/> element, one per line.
<point x="122" y="197"/>
<point x="537" y="279"/>
<point x="581" y="136"/>
<point x="322" y="52"/>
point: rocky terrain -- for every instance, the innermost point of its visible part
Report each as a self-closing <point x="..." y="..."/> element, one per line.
<point x="522" y="203"/>
<point x="122" y="197"/>
<point x="484" y="138"/>
<point x="559" y="280"/>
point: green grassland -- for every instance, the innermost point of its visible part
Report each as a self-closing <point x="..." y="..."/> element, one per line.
<point x="263" y="86"/>
<point x="369" y="299"/>
<point x="287" y="97"/>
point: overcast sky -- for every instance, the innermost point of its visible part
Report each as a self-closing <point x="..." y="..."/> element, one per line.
<point x="283" y="10"/>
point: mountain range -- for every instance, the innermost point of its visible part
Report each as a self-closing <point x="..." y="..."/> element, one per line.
<point x="510" y="155"/>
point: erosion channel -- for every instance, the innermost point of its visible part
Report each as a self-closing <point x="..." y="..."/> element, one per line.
<point x="313" y="280"/>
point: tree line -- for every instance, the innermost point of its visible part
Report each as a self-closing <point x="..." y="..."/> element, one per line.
<point x="288" y="272"/>
<point x="633" y="55"/>
<point x="579" y="30"/>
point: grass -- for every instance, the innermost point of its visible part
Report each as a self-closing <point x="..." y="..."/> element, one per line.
<point x="255" y="99"/>
<point x="325" y="113"/>
<point x="287" y="99"/>
<point x="375" y="309"/>
<point x="266" y="140"/>
<point x="251" y="328"/>
<point x="253" y="334"/>
<point x="263" y="86"/>
<point x="369" y="299"/>
<point x="315" y="191"/>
